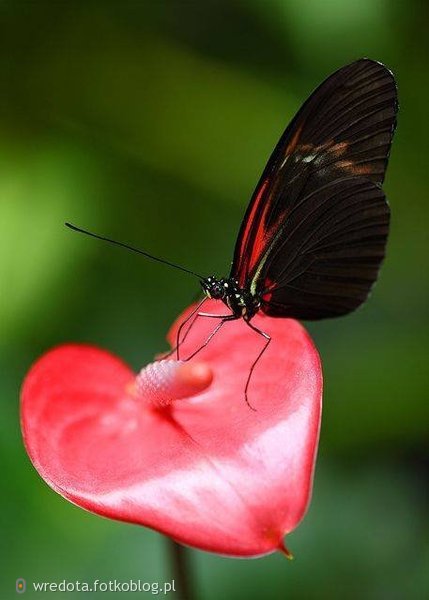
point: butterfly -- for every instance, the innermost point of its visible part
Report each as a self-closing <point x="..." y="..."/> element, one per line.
<point x="314" y="234"/>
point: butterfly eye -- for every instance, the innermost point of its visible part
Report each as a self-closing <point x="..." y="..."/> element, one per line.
<point x="213" y="288"/>
<point x="217" y="291"/>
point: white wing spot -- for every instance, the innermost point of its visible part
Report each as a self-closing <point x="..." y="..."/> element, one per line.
<point x="285" y="161"/>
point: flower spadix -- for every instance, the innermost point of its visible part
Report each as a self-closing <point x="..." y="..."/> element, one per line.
<point x="175" y="447"/>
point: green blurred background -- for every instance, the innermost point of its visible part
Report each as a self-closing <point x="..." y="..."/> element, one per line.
<point x="151" y="122"/>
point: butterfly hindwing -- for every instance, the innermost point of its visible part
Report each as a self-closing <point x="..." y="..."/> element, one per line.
<point x="329" y="259"/>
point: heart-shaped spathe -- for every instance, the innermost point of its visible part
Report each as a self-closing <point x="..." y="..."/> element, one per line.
<point x="206" y="470"/>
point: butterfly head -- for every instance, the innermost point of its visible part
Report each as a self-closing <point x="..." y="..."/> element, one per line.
<point x="215" y="288"/>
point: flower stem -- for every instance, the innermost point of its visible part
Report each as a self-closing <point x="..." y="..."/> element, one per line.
<point x="180" y="569"/>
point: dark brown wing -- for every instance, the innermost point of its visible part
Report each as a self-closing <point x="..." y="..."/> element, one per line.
<point x="331" y="253"/>
<point x="343" y="132"/>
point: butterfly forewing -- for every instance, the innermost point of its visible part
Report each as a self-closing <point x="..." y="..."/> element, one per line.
<point x="314" y="234"/>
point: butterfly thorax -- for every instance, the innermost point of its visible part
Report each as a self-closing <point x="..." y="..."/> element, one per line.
<point x="239" y="300"/>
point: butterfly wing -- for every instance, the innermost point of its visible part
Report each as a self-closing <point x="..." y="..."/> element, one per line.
<point x="321" y="184"/>
<point x="330" y="255"/>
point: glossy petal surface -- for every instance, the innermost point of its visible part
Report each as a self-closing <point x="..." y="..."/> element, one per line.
<point x="208" y="471"/>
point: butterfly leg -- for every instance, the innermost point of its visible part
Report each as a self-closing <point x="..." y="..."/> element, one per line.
<point x="179" y="331"/>
<point x="195" y="317"/>
<point x="224" y="319"/>
<point x="267" y="343"/>
<point x="192" y="316"/>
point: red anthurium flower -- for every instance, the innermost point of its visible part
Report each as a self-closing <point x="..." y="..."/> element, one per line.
<point x="177" y="448"/>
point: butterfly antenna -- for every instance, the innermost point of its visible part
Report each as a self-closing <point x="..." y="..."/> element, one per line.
<point x="128" y="247"/>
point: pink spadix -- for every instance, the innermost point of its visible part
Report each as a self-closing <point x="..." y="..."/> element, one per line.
<point x="162" y="382"/>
